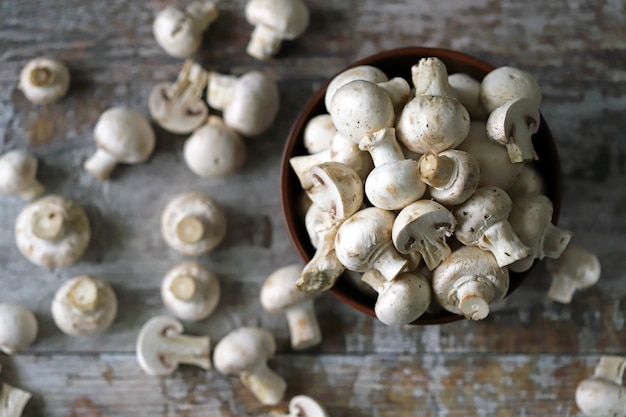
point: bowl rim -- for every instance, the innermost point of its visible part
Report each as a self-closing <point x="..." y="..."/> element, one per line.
<point x="361" y="301"/>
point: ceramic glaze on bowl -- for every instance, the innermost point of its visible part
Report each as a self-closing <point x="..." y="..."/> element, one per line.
<point x="397" y="63"/>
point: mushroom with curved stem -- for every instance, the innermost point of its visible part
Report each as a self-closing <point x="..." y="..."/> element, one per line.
<point x="214" y="149"/>
<point x="193" y="224"/>
<point x="604" y="393"/>
<point x="279" y="294"/>
<point x="360" y="72"/>
<point x="363" y="242"/>
<point x="302" y="406"/>
<point x="575" y="269"/>
<point x="430" y="77"/>
<point x="324" y="269"/>
<point x="12" y="400"/>
<point x="507" y="83"/>
<point x="469" y="282"/>
<point x="274" y="21"/>
<point x="84" y="306"/>
<point x="52" y="232"/>
<point x="179" y="32"/>
<point x="336" y="189"/>
<point x="513" y="125"/>
<point x="161" y="347"/>
<point x="122" y="136"/>
<point x="531" y="219"/>
<point x="190" y="291"/>
<point x="44" y="80"/>
<point x="423" y="227"/>
<point x="178" y="107"/>
<point x="467" y="91"/>
<point x="245" y="351"/>
<point x="482" y="221"/>
<point x="318" y="133"/>
<point x="18" y="328"/>
<point x="394" y="182"/>
<point x="452" y="175"/>
<point x="401" y="300"/>
<point x="18" y="169"/>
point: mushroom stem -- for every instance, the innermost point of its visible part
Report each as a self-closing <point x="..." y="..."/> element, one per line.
<point x="31" y="190"/>
<point x="190" y="229"/>
<point x="41" y="76"/>
<point x="101" y="164"/>
<point x="190" y="350"/>
<point x="48" y="223"/>
<point x="611" y="368"/>
<point x="388" y="261"/>
<point x="437" y="171"/>
<point x="183" y="287"/>
<point x="303" y="326"/>
<point x="302" y="165"/>
<point x="382" y="146"/>
<point x="473" y="296"/>
<point x="264" y="42"/>
<point x="190" y="82"/>
<point x="12" y="400"/>
<point x="84" y="295"/>
<point x="220" y="89"/>
<point x="203" y="13"/>
<point x="434" y="251"/>
<point x="323" y="270"/>
<point x="555" y="241"/>
<point x="375" y="280"/>
<point x="266" y="385"/>
<point x="503" y="243"/>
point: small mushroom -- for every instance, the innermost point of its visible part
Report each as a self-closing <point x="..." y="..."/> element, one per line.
<point x="452" y="175"/>
<point x="179" y="32"/>
<point x="52" y="232"/>
<point x="469" y="282"/>
<point x="360" y="72"/>
<point x="190" y="291"/>
<point x="84" y="306"/>
<point x="423" y="227"/>
<point x="245" y="351"/>
<point x="575" y="269"/>
<point x="12" y="400"/>
<point x="401" y="300"/>
<point x="324" y="269"/>
<point x="394" y="182"/>
<point x="279" y="294"/>
<point x="604" y="393"/>
<point x="161" y="347"/>
<point x="336" y="189"/>
<point x="505" y="84"/>
<point x="513" y="125"/>
<point x="467" y="90"/>
<point x="214" y="150"/>
<point x="531" y="219"/>
<point x="178" y="107"/>
<point x="122" y="136"/>
<point x="274" y="21"/>
<point x="193" y="224"/>
<point x="44" y="80"/>
<point x="302" y="406"/>
<point x="249" y="103"/>
<point x="318" y="133"/>
<point x="18" y="328"/>
<point x="363" y="242"/>
<point x="482" y="221"/>
<point x="430" y="77"/>
<point x="18" y="169"/>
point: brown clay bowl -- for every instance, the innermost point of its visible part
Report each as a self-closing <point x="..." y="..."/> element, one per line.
<point x="398" y="62"/>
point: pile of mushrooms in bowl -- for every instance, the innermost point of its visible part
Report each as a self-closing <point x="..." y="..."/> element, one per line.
<point x="420" y="185"/>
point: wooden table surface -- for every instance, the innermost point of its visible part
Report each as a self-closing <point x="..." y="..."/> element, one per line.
<point x="525" y="359"/>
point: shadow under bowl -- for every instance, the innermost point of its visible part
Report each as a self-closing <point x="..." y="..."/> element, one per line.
<point x="397" y="63"/>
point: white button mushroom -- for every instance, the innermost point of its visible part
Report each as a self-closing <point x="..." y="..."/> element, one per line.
<point x="52" y="232"/>
<point x="190" y="291"/>
<point x="274" y="21"/>
<point x="303" y="406"/>
<point x="178" y="107"/>
<point x="469" y="281"/>
<point x="318" y="133"/>
<point x="122" y="136"/>
<point x="279" y="294"/>
<point x="161" y="347"/>
<point x="336" y="189"/>
<point x="604" y="393"/>
<point x="12" y="400"/>
<point x="245" y="351"/>
<point x="482" y="221"/>
<point x="214" y="150"/>
<point x="84" y="306"/>
<point x="467" y="90"/>
<point x="423" y="227"/>
<point x="575" y="269"/>
<point x="193" y="224"/>
<point x="324" y="269"/>
<point x="179" y="32"/>
<point x="401" y="300"/>
<point x="17" y="175"/>
<point x="18" y="328"/>
<point x="249" y="103"/>
<point x="360" y="72"/>
<point x="452" y="175"/>
<point x="44" y="80"/>
<point x="531" y="219"/>
<point x="363" y="242"/>
<point x="507" y="83"/>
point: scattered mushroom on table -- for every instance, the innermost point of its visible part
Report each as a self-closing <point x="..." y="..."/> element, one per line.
<point x="604" y="393"/>
<point x="44" y="80"/>
<point x="18" y="328"/>
<point x="18" y="169"/>
<point x="302" y="406"/>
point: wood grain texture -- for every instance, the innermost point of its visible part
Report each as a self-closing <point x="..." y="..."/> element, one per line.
<point x="524" y="359"/>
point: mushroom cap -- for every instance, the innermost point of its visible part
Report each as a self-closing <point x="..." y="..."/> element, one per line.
<point x="507" y="83"/>
<point x="18" y="328"/>
<point x="214" y="150"/>
<point x="318" y="133"/>
<point x="289" y="18"/>
<point x="394" y="185"/>
<point x="195" y="303"/>
<point x="600" y="397"/>
<point x="243" y="349"/>
<point x="149" y="343"/>
<point x="17" y="170"/>
<point x="44" y="80"/>
<point x="176" y="116"/>
<point x="529" y="217"/>
<point x="304" y="406"/>
<point x="71" y="240"/>
<point x="207" y="218"/>
<point x="279" y="291"/>
<point x="175" y="32"/>
<point x="361" y="72"/>
<point x="404" y="299"/>
<point x="96" y="318"/>
<point x="317" y="223"/>
<point x="337" y="188"/>
<point x="487" y="206"/>
<point x="125" y="134"/>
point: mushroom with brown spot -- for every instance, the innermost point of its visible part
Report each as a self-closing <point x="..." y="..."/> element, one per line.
<point x="452" y="175"/>
<point x="18" y="169"/>
<point x="604" y="393"/>
<point x="575" y="269"/>
<point x="18" y="328"/>
<point x="190" y="291"/>
<point x="44" y="80"/>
